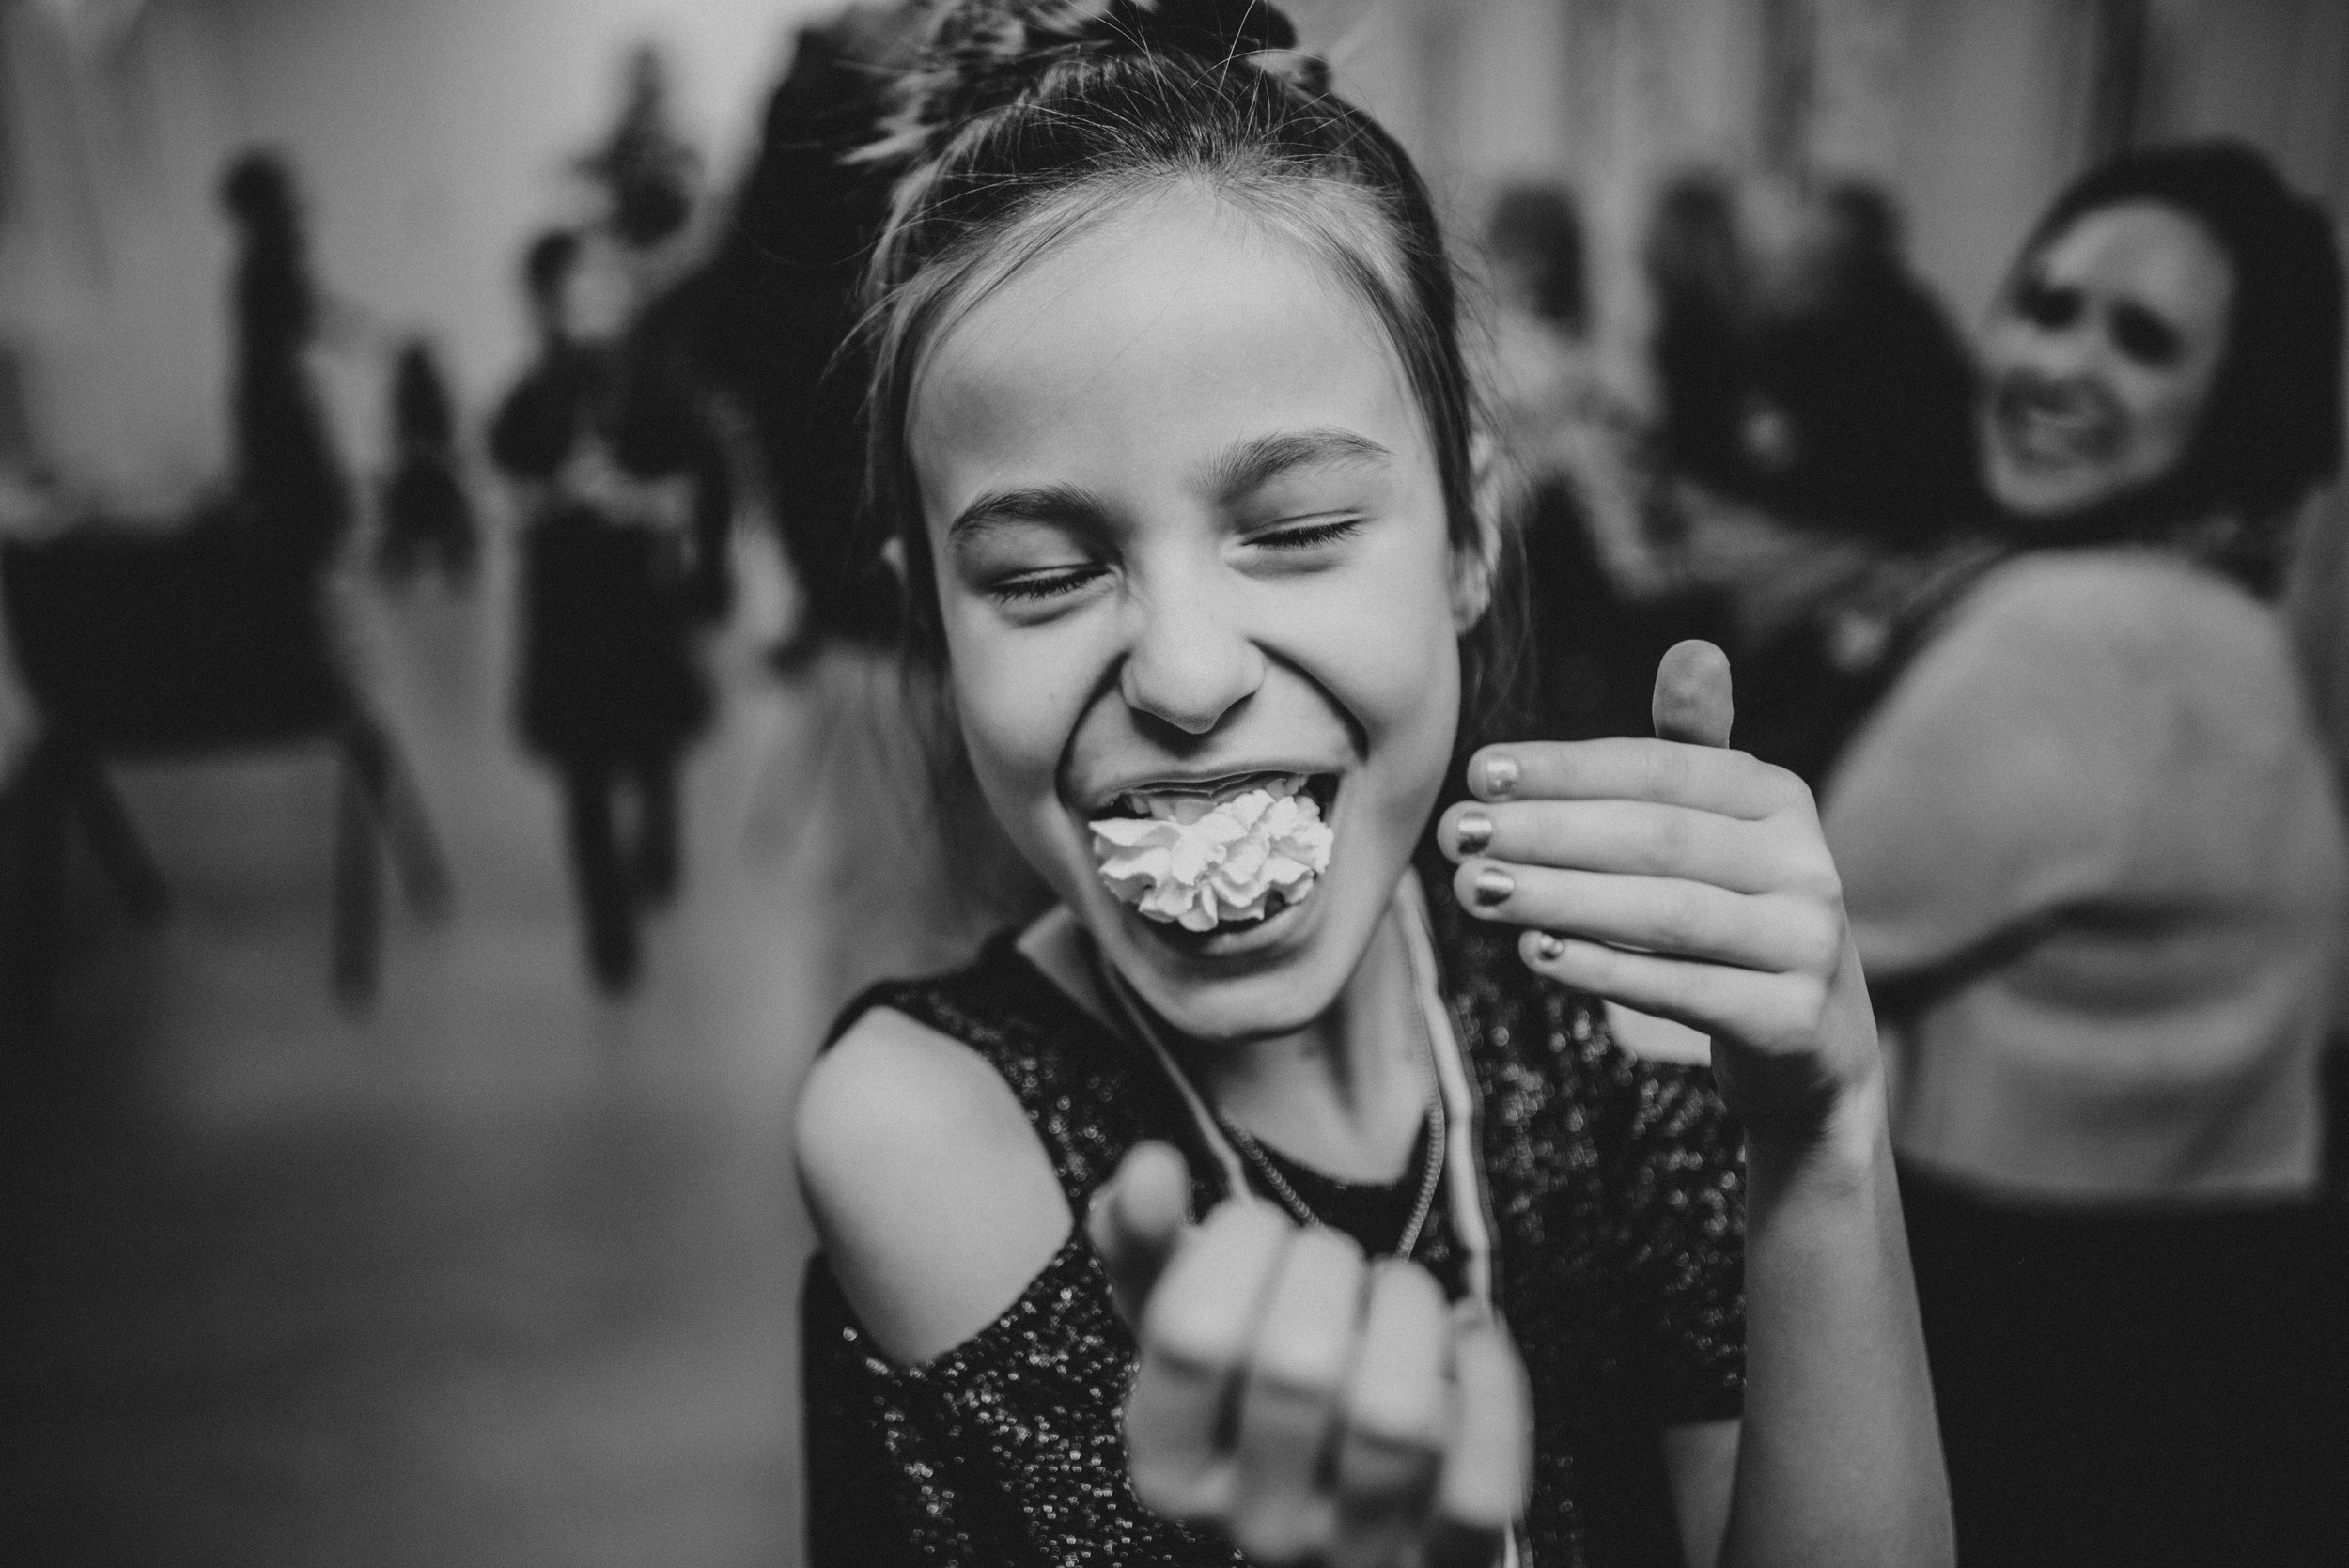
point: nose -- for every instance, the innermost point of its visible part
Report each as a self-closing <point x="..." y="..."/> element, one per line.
<point x="1190" y="663"/>
<point x="2056" y="354"/>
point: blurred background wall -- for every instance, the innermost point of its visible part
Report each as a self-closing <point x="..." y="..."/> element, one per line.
<point x="439" y="130"/>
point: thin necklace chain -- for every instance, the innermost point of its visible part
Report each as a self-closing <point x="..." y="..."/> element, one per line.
<point x="1439" y="1121"/>
<point x="1431" y="1178"/>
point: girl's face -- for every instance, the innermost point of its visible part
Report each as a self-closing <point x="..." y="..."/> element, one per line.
<point x="1189" y="532"/>
<point x="2099" y="361"/>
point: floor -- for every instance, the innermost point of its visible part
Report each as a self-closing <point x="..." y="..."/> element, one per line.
<point x="496" y="1272"/>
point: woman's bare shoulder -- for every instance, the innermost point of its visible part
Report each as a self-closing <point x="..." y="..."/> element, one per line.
<point x="934" y="1200"/>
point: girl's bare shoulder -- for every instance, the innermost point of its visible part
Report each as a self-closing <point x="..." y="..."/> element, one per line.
<point x="933" y="1198"/>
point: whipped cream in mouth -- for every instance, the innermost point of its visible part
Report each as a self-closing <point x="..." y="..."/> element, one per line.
<point x="1229" y="853"/>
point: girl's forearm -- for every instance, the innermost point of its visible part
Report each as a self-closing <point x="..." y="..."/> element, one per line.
<point x="1839" y="1459"/>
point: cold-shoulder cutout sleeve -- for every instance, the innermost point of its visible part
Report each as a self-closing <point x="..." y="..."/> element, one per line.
<point x="1003" y="1452"/>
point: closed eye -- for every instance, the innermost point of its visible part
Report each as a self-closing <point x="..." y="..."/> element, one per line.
<point x="1308" y="536"/>
<point x="1033" y="587"/>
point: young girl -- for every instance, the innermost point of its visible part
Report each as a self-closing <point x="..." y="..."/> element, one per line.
<point x="1170" y="420"/>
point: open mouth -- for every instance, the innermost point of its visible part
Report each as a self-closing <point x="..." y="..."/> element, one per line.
<point x="1215" y="854"/>
<point x="2050" y="429"/>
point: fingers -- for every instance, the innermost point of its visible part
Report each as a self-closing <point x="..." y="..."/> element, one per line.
<point x="1774" y="1013"/>
<point x="1489" y="1462"/>
<point x="1622" y="769"/>
<point x="1635" y="837"/>
<point x="1397" y="1416"/>
<point x="1289" y="1406"/>
<point x="1670" y="916"/>
<point x="1135" y="1220"/>
<point x="1692" y="695"/>
<point x="1195" y="1336"/>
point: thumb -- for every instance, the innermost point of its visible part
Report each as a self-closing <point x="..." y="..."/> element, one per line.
<point x="1691" y="701"/>
<point x="1136" y="1220"/>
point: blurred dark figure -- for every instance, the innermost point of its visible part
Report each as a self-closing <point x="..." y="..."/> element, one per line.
<point x="289" y="485"/>
<point x="650" y="172"/>
<point x="609" y="455"/>
<point x="649" y="178"/>
<point x="218" y="635"/>
<point x="778" y="303"/>
<point x="2094" y="864"/>
<point x="428" y="516"/>
<point x="1575" y="481"/>
<point x="1816" y="429"/>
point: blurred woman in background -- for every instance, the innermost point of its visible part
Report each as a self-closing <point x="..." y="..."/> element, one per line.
<point x="2093" y="856"/>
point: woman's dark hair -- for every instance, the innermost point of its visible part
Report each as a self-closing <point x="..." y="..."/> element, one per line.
<point x="1802" y="367"/>
<point x="1026" y="122"/>
<point x="1538" y="229"/>
<point x="2272" y="430"/>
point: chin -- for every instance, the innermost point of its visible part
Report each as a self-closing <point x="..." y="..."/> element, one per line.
<point x="2035" y="496"/>
<point x="1251" y="980"/>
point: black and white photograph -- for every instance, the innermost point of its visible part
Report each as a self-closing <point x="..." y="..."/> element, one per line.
<point x="1173" y="784"/>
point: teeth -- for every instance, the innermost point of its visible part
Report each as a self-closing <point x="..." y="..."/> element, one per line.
<point x="1189" y="805"/>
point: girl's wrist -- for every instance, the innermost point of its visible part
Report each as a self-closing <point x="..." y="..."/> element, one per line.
<point x="1848" y="1144"/>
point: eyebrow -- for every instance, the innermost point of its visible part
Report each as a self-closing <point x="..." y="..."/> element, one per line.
<point x="1254" y="462"/>
<point x="1063" y="506"/>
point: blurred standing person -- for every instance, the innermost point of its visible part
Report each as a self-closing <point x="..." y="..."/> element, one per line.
<point x="778" y="305"/>
<point x="427" y="516"/>
<point x="2095" y="866"/>
<point x="290" y="485"/>
<point x="606" y="453"/>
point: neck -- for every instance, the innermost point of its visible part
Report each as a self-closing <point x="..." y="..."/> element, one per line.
<point x="1345" y="1095"/>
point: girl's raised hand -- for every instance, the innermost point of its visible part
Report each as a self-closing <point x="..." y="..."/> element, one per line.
<point x="1315" y="1408"/>
<point x="1684" y="879"/>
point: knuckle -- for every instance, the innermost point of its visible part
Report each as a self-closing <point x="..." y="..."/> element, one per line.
<point x="1680" y="923"/>
<point x="1818" y="941"/>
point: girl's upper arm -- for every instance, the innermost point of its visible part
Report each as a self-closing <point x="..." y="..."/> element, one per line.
<point x="934" y="1200"/>
<point x="1700" y="1466"/>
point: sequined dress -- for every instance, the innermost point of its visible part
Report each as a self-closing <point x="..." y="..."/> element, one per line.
<point x="1618" y="1197"/>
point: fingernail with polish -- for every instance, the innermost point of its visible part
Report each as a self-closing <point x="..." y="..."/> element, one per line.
<point x="1493" y="886"/>
<point x="1500" y="774"/>
<point x="1472" y="832"/>
<point x="1546" y="946"/>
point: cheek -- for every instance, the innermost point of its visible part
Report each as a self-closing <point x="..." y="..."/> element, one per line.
<point x="1389" y="651"/>
<point x="2163" y="412"/>
<point x="1017" y="695"/>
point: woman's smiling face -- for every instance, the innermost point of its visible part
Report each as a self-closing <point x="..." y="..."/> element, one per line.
<point x="1189" y="533"/>
<point x="2099" y="361"/>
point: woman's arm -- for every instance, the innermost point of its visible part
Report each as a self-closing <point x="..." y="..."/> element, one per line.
<point x="1691" y="882"/>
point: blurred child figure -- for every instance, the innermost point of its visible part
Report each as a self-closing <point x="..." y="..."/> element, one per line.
<point x="428" y="516"/>
<point x="605" y="453"/>
<point x="291" y="487"/>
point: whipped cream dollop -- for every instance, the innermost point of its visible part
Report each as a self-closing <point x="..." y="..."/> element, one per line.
<point x="1197" y="863"/>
